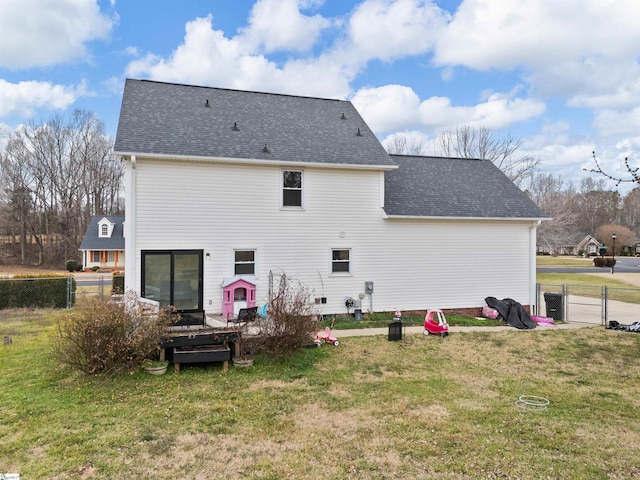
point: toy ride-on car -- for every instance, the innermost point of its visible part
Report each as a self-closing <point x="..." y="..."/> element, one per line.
<point x="435" y="323"/>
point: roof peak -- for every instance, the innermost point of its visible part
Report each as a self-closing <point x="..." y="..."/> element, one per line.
<point x="237" y="90"/>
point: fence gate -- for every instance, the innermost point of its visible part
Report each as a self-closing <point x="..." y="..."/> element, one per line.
<point x="572" y="303"/>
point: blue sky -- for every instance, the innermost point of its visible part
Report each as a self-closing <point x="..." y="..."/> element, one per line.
<point x="561" y="75"/>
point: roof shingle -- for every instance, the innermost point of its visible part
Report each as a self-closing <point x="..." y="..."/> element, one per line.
<point x="172" y="119"/>
<point x="454" y="187"/>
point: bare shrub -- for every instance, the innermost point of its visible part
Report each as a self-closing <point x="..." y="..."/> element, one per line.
<point x="289" y="325"/>
<point x="107" y="337"/>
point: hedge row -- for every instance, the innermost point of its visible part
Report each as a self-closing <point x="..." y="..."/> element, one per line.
<point x="42" y="291"/>
<point x="604" y="261"/>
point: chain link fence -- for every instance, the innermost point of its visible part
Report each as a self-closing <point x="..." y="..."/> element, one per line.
<point x="596" y="304"/>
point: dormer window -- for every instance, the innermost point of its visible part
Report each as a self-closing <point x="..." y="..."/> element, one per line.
<point x="105" y="228"/>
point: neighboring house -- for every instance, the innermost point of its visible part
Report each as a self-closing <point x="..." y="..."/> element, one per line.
<point x="579" y="244"/>
<point x="103" y="244"/>
<point x="226" y="190"/>
<point x="588" y="246"/>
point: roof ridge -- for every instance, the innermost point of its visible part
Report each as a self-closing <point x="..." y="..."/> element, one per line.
<point x="239" y="90"/>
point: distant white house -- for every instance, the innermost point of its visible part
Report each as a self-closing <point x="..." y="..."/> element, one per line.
<point x="579" y="244"/>
<point x="103" y="245"/>
<point x="588" y="246"/>
<point x="226" y="190"/>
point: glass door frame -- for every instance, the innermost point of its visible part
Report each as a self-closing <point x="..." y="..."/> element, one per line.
<point x="173" y="254"/>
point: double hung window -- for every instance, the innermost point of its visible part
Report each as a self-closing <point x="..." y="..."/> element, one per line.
<point x="340" y="260"/>
<point x="291" y="188"/>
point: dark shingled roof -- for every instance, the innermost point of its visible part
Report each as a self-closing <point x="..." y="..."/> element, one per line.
<point x="172" y="119"/>
<point x="454" y="187"/>
<point x="91" y="241"/>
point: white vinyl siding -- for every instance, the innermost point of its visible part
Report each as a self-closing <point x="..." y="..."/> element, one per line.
<point x="414" y="264"/>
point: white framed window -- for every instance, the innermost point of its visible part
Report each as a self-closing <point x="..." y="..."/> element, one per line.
<point x="96" y="256"/>
<point x="244" y="262"/>
<point x="292" y="188"/>
<point x="112" y="256"/>
<point x="340" y="260"/>
<point x="104" y="230"/>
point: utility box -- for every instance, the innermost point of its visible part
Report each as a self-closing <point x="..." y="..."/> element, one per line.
<point x="554" y="305"/>
<point x="368" y="288"/>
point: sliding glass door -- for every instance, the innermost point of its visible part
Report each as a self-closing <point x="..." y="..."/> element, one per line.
<point x="173" y="277"/>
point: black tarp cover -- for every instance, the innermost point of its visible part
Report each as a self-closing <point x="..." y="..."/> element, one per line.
<point x="513" y="313"/>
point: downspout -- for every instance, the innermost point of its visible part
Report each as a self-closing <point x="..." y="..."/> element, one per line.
<point x="131" y="275"/>
<point x="532" y="267"/>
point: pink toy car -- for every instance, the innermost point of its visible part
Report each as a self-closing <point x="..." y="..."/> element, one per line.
<point x="435" y="323"/>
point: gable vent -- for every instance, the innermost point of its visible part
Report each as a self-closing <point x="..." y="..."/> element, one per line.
<point x="235" y="127"/>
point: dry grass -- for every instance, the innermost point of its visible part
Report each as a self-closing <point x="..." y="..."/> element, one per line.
<point x="369" y="409"/>
<point x="11" y="270"/>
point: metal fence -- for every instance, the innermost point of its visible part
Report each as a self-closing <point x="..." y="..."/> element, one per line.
<point x="95" y="286"/>
<point x="597" y="304"/>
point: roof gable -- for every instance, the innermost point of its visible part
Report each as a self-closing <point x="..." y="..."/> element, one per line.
<point x="454" y="187"/>
<point x="182" y="120"/>
<point x="94" y="241"/>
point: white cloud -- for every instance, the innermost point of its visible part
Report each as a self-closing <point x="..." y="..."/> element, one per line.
<point x="207" y="57"/>
<point x="24" y="98"/>
<point x="381" y="29"/>
<point x="34" y="35"/>
<point x="586" y="50"/>
<point x="279" y="25"/>
<point x="395" y="107"/>
<point x="616" y="123"/>
<point x="388" y="108"/>
<point x="387" y="29"/>
<point x="487" y="34"/>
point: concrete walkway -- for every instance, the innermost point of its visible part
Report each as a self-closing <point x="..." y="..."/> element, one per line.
<point x="584" y="312"/>
<point x="361" y="332"/>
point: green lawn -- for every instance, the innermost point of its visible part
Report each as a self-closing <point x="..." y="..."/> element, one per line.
<point x="590" y="285"/>
<point x="563" y="261"/>
<point x="429" y="407"/>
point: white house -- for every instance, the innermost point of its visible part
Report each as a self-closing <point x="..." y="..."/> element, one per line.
<point x="227" y="189"/>
<point x="103" y="243"/>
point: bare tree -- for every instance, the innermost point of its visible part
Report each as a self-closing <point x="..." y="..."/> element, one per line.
<point x="68" y="173"/>
<point x="468" y="142"/>
<point x="630" y="210"/>
<point x="595" y="205"/>
<point x="624" y="237"/>
<point x="404" y="144"/>
<point x="16" y="192"/>
<point x="554" y="198"/>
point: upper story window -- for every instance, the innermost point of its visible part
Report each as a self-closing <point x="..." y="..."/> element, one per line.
<point x="340" y="260"/>
<point x="245" y="262"/>
<point x="105" y="228"/>
<point x="291" y="188"/>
